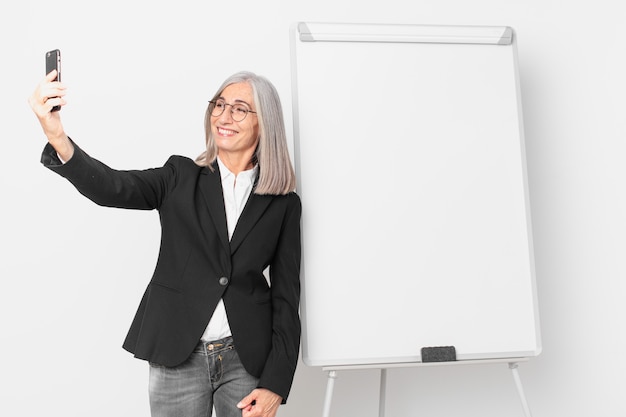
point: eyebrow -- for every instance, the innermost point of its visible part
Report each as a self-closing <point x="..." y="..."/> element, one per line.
<point x="236" y="101"/>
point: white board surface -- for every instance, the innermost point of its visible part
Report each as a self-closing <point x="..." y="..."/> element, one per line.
<point x="409" y="153"/>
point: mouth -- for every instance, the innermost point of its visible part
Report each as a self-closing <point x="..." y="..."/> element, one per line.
<point x="226" y="132"/>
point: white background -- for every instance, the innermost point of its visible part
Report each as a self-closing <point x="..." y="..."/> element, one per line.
<point x="140" y="73"/>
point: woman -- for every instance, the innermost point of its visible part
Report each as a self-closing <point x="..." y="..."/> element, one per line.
<point x="215" y="333"/>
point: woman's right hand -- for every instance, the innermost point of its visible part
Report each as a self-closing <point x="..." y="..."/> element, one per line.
<point x="48" y="94"/>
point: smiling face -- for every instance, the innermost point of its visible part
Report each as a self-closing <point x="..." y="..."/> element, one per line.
<point x="236" y="141"/>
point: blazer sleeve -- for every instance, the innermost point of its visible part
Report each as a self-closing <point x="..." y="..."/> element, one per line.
<point x="280" y="366"/>
<point x="138" y="189"/>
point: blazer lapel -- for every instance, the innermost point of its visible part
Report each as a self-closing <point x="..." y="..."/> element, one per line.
<point x="211" y="189"/>
<point x="254" y="209"/>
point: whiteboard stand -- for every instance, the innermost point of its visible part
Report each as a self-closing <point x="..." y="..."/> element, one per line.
<point x="332" y="376"/>
<point x="444" y="102"/>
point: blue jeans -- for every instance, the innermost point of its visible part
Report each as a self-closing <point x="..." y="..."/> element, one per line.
<point x="213" y="376"/>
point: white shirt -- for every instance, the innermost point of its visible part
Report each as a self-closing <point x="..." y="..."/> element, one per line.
<point x="236" y="191"/>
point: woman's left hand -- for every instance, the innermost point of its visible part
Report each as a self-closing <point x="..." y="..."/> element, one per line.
<point x="260" y="403"/>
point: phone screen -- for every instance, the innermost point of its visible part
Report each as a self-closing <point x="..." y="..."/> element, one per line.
<point x="53" y="62"/>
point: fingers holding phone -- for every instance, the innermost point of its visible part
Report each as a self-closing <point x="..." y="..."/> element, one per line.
<point x="45" y="101"/>
<point x="47" y="95"/>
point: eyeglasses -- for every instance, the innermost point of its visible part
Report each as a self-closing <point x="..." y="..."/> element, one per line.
<point x="238" y="111"/>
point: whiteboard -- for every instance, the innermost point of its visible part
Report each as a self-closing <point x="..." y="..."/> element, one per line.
<point x="409" y="152"/>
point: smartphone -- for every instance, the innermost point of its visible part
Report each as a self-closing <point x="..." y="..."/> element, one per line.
<point x="53" y="62"/>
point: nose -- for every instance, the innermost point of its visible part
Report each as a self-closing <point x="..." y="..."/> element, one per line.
<point x="227" y="114"/>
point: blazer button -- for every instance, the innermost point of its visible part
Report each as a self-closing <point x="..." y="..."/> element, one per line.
<point x="223" y="281"/>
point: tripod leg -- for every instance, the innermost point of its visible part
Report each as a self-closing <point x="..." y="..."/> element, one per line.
<point x="332" y="375"/>
<point x="383" y="393"/>
<point x="520" y="389"/>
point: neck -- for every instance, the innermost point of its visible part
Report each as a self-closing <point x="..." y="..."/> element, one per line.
<point x="236" y="163"/>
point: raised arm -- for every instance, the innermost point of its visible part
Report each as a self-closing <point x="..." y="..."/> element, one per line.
<point x="47" y="95"/>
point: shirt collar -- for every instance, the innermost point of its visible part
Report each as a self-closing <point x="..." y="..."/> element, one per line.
<point x="248" y="175"/>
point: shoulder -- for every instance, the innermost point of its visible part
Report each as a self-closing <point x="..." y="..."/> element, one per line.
<point x="182" y="165"/>
<point x="182" y="162"/>
<point x="293" y="198"/>
<point x="292" y="202"/>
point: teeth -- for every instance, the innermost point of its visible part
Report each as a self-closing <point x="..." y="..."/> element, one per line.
<point x="225" y="131"/>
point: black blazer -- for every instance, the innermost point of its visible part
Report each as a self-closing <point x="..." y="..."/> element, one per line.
<point x="197" y="265"/>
